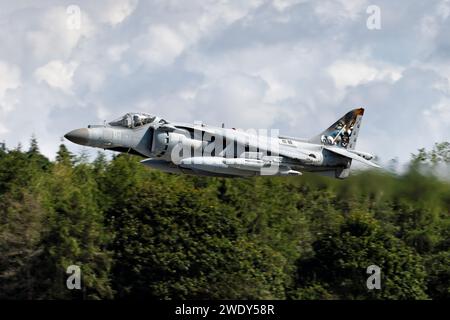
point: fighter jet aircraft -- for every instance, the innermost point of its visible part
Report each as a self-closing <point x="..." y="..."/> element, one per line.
<point x="218" y="151"/>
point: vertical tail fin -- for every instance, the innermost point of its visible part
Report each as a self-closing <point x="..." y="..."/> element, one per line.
<point x="344" y="132"/>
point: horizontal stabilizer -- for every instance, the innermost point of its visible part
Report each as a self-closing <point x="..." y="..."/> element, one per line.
<point x="351" y="155"/>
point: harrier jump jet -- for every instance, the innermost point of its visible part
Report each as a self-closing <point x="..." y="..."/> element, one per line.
<point x="217" y="151"/>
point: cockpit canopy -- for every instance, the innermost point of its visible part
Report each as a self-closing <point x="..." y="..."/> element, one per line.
<point x="132" y="120"/>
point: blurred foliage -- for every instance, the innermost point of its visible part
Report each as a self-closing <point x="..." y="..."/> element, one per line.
<point x="138" y="233"/>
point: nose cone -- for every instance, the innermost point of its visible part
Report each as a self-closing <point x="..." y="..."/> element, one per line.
<point x="79" y="136"/>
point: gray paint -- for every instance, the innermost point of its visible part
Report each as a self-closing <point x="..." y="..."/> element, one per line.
<point x="212" y="151"/>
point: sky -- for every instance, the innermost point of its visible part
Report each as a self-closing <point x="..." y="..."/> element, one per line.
<point x="292" y="65"/>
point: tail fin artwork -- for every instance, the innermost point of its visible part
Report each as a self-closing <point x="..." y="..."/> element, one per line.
<point x="344" y="132"/>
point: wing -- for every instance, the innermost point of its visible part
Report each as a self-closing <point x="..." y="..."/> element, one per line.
<point x="230" y="135"/>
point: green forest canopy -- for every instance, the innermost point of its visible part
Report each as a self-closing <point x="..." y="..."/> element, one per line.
<point x="138" y="233"/>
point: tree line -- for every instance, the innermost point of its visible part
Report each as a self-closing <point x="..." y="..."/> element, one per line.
<point x="138" y="233"/>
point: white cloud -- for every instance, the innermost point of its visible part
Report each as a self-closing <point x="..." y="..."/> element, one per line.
<point x="443" y="9"/>
<point x="437" y="118"/>
<point x="296" y="65"/>
<point x="57" y="74"/>
<point x="429" y="26"/>
<point x="161" y="45"/>
<point x="164" y="42"/>
<point x="237" y="100"/>
<point x="90" y="76"/>
<point x="340" y="11"/>
<point x="9" y="78"/>
<point x="115" y="12"/>
<point x="115" y="52"/>
<point x="282" y="5"/>
<point x="3" y="129"/>
<point x="351" y="74"/>
<point x="49" y="36"/>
